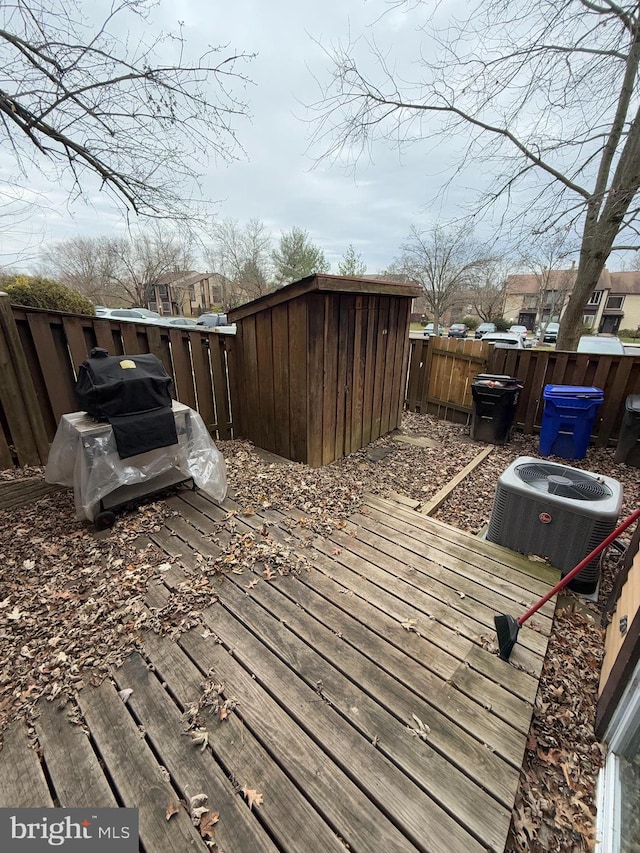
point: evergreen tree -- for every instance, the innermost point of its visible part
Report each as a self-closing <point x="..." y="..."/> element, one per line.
<point x="352" y="263"/>
<point x="297" y="257"/>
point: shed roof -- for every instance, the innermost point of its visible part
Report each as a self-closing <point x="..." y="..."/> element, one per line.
<point x="324" y="284"/>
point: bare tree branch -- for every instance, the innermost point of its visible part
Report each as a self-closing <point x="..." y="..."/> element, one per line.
<point x="538" y="92"/>
<point x="90" y="100"/>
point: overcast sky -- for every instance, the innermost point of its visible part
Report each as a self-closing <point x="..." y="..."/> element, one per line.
<point x="278" y="180"/>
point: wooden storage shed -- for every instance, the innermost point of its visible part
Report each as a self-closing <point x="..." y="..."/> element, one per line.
<point x="321" y="365"/>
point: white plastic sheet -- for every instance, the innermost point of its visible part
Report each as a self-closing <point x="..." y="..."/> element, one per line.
<point x="83" y="456"/>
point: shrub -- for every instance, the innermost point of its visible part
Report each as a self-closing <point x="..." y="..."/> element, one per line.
<point x="628" y="333"/>
<point x="37" y="292"/>
<point x="502" y="325"/>
<point x="470" y="322"/>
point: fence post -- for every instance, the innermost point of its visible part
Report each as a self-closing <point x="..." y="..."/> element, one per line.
<point x="18" y="395"/>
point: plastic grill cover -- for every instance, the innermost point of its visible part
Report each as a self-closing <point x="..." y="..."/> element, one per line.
<point x="83" y="456"/>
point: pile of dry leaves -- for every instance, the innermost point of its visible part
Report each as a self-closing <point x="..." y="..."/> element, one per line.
<point x="71" y="604"/>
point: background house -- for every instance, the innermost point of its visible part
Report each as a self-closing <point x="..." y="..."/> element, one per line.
<point x="613" y="305"/>
<point x="188" y="293"/>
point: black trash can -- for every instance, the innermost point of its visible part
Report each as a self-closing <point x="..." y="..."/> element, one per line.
<point x="628" y="449"/>
<point x="495" y="399"/>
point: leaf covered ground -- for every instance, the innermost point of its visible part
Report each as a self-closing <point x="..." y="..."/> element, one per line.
<point x="72" y="604"/>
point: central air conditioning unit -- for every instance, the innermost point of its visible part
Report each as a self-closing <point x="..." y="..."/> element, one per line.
<point x="557" y="512"/>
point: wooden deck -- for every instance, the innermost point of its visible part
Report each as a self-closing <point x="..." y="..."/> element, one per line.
<point x="363" y="703"/>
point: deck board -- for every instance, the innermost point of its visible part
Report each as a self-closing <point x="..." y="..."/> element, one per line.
<point x="122" y="749"/>
<point x="193" y="771"/>
<point x="361" y="824"/>
<point x="79" y="783"/>
<point x="22" y="780"/>
<point x="334" y="668"/>
<point x="288" y="816"/>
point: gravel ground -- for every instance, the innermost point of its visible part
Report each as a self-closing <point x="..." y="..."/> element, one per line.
<point x="71" y="604"/>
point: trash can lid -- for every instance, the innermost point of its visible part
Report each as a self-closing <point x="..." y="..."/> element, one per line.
<point x="572" y="391"/>
<point x="496" y="380"/>
<point x="633" y="403"/>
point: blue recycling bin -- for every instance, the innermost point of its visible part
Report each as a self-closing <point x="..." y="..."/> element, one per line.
<point x="567" y="420"/>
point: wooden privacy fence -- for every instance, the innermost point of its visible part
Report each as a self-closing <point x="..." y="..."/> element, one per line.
<point x="617" y="375"/>
<point x="40" y="352"/>
<point x="441" y="372"/>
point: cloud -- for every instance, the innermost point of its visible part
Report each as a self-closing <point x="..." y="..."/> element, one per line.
<point x="277" y="181"/>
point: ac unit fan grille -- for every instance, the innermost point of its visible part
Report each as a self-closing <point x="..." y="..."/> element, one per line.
<point x="558" y="480"/>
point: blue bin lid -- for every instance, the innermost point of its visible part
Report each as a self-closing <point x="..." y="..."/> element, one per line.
<point x="551" y="391"/>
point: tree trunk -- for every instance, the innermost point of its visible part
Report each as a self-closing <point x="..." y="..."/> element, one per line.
<point x="597" y="241"/>
<point x="589" y="270"/>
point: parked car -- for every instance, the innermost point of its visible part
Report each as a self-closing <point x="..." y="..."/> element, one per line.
<point x="179" y="321"/>
<point x="605" y="345"/>
<point x="520" y="330"/>
<point x="484" y="329"/>
<point x="131" y="315"/>
<point x="457" y="330"/>
<point x="428" y="330"/>
<point x="550" y="334"/>
<point x="504" y="340"/>
<point x="212" y="320"/>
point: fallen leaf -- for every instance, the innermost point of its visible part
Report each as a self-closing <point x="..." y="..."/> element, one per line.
<point x="172" y="809"/>
<point x="252" y="583"/>
<point x="336" y="551"/>
<point x="124" y="694"/>
<point x="254" y="798"/>
<point x="268" y="574"/>
<point x="409" y="624"/>
<point x="197" y="814"/>
<point x="197" y="800"/>
<point x="207" y="824"/>
<point x="200" y="737"/>
<point x="15" y="614"/>
<point x="420" y="730"/>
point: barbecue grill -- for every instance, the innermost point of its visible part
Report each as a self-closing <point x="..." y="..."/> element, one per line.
<point x="131" y="440"/>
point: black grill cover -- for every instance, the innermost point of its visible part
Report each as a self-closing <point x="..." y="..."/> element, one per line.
<point x="133" y="393"/>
